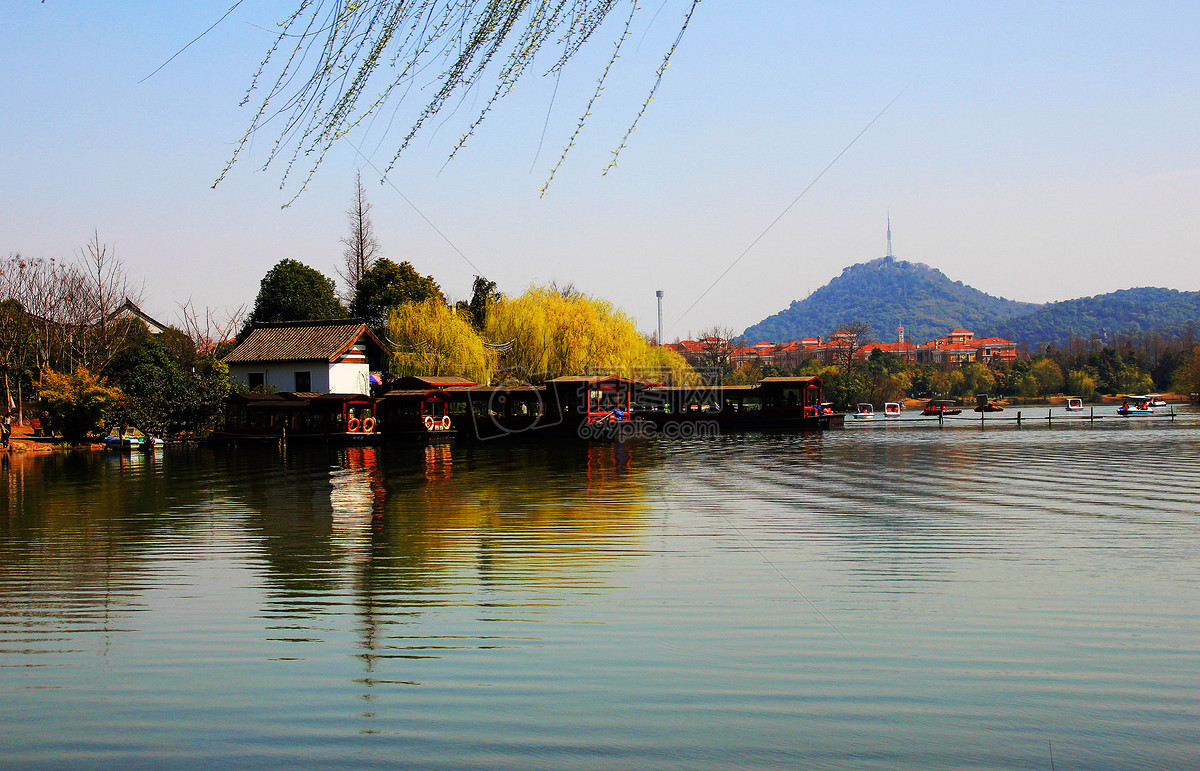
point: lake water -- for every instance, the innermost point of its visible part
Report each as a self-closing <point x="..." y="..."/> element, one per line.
<point x="874" y="597"/>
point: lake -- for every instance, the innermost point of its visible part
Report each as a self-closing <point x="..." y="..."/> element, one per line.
<point x="876" y="597"/>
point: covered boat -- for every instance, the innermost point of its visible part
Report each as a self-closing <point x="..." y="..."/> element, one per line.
<point x="863" y="411"/>
<point x="939" y="407"/>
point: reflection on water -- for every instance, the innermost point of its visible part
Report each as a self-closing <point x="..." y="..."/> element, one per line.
<point x="866" y="598"/>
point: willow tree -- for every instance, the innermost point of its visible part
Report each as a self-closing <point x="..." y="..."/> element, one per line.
<point x="555" y="332"/>
<point x="429" y="338"/>
<point x="336" y="64"/>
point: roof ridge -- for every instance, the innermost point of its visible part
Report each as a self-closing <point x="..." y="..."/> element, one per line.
<point x="309" y="323"/>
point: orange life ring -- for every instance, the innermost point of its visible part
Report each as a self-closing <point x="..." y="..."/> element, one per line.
<point x="445" y="421"/>
<point x="429" y="422"/>
<point x="368" y="425"/>
<point x="352" y="425"/>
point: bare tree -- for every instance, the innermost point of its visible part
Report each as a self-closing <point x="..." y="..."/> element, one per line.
<point x="362" y="248"/>
<point x="715" y="350"/>
<point x="41" y="287"/>
<point x="95" y="290"/>
<point x="849" y="338"/>
<point x="207" y="330"/>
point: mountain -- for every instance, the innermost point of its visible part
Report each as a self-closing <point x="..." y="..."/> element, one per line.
<point x="1127" y="311"/>
<point x="886" y="293"/>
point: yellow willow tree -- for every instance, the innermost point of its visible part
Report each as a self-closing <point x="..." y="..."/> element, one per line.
<point x="563" y="332"/>
<point x="429" y="338"/>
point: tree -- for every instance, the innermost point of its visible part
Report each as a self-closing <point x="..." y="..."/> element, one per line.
<point x="429" y="338"/>
<point x="715" y="352"/>
<point x="1081" y="383"/>
<point x="483" y="294"/>
<point x="15" y="346"/>
<point x="1187" y="377"/>
<point x="565" y="332"/>
<point x="79" y="402"/>
<point x="41" y="287"/>
<point x="372" y="53"/>
<point x="387" y="284"/>
<point x="849" y="338"/>
<point x="978" y="378"/>
<point x="169" y="390"/>
<point x="1048" y="375"/>
<point x="292" y="291"/>
<point x="362" y="248"/>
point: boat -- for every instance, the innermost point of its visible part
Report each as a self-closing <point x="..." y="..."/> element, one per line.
<point x="1136" y="406"/>
<point x="939" y="407"/>
<point x="782" y="403"/>
<point x="1155" y="400"/>
<point x="1074" y="404"/>
<point x="127" y="439"/>
<point x="419" y="407"/>
<point x="293" y="416"/>
<point x="864" y="411"/>
<point x="891" y="409"/>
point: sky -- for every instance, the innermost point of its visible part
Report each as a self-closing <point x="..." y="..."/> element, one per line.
<point x="1036" y="151"/>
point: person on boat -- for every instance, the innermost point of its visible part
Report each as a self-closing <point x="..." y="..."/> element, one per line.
<point x="1125" y="406"/>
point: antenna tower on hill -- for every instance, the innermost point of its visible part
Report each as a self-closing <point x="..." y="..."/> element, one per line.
<point x="889" y="252"/>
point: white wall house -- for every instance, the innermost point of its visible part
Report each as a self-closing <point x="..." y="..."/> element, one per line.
<point x="308" y="357"/>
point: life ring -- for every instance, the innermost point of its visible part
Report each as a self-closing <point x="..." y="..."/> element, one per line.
<point x="445" y="421"/>
<point x="429" y="422"/>
<point x="352" y="425"/>
<point x="368" y="425"/>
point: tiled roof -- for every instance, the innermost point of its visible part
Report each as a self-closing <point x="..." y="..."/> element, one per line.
<point x="300" y="341"/>
<point x="427" y="382"/>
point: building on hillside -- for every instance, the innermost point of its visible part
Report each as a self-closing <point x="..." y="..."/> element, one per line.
<point x="705" y="352"/>
<point x="906" y="351"/>
<point x="837" y="350"/>
<point x="784" y="356"/>
<point x="961" y="346"/>
<point x="992" y="350"/>
<point x="308" y="357"/>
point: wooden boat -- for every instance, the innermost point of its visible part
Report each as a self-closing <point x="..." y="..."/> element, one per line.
<point x="773" y="404"/>
<point x="938" y="407"/>
<point x="864" y="411"/>
<point x="290" y="416"/>
<point x="1074" y="404"/>
<point x="891" y="409"/>
<point x="421" y="407"/>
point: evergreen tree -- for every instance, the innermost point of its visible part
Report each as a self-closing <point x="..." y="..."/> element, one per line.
<point x="387" y="284"/>
<point x="292" y="291"/>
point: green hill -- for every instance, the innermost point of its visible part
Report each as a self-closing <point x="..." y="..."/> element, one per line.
<point x="886" y="293"/>
<point x="1128" y="311"/>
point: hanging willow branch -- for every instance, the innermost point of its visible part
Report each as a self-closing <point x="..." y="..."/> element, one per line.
<point x="336" y="63"/>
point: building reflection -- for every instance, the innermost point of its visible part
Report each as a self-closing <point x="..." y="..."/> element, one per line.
<point x="475" y="539"/>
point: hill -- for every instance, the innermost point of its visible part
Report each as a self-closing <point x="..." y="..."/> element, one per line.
<point x="1128" y="311"/>
<point x="886" y="293"/>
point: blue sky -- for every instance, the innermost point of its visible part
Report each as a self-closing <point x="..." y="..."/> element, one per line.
<point x="1035" y="151"/>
